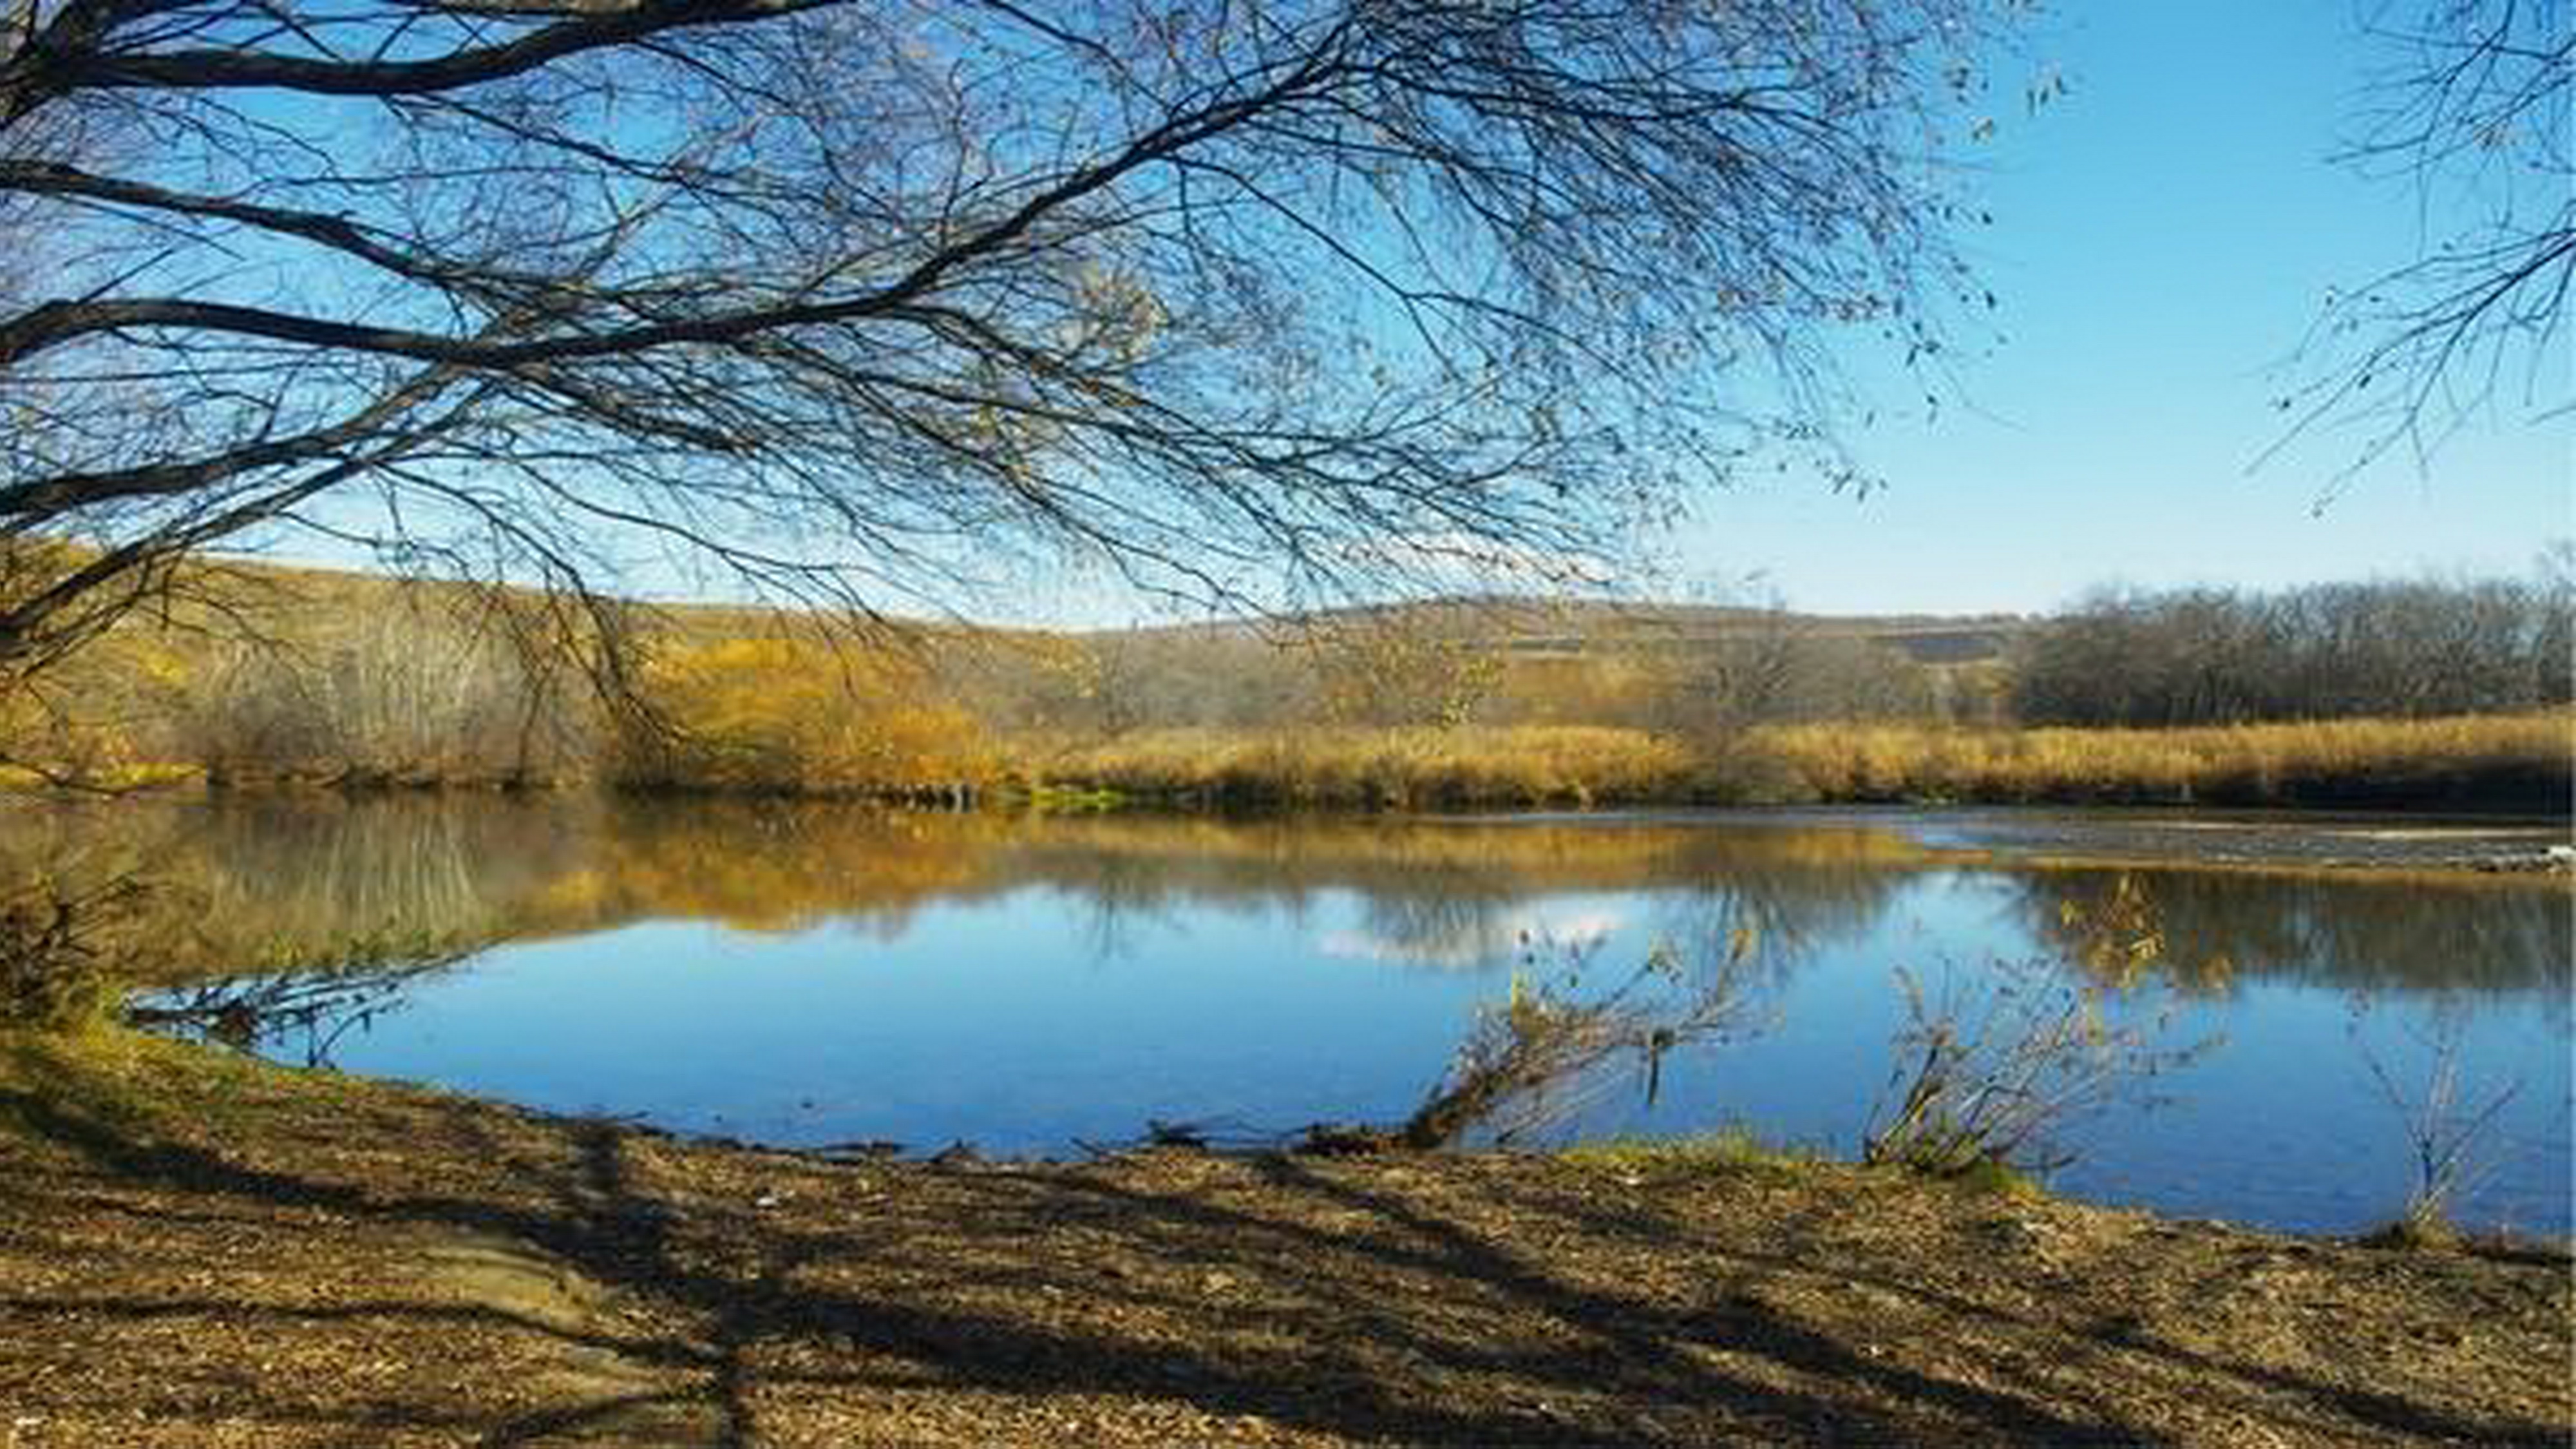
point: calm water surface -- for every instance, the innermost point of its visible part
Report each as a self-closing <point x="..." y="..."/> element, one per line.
<point x="814" y="976"/>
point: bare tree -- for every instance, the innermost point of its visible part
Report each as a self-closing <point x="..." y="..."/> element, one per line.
<point x="2408" y="648"/>
<point x="415" y="690"/>
<point x="857" y="298"/>
<point x="2450" y="1125"/>
<point x="2471" y="104"/>
<point x="1398" y="669"/>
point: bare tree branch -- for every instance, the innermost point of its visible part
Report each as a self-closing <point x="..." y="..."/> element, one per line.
<point x="2472" y="110"/>
<point x="857" y="300"/>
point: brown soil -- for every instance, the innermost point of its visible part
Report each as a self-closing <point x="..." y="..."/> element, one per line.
<point x="198" y="1250"/>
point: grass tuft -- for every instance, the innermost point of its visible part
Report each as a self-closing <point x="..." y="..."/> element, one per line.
<point x="1729" y="1149"/>
<point x="1989" y="1178"/>
<point x="2415" y="1233"/>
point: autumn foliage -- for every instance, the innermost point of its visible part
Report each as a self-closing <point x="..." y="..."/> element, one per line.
<point x="348" y="681"/>
<point x="792" y="716"/>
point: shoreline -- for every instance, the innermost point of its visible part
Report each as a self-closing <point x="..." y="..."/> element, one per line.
<point x="203" y="1249"/>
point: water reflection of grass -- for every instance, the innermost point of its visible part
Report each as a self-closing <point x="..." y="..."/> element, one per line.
<point x="2421" y="932"/>
<point x="249" y="875"/>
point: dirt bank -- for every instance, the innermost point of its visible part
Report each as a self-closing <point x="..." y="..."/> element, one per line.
<point x="196" y="1250"/>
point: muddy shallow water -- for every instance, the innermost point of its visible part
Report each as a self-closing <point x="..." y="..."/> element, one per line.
<point x="2275" y="838"/>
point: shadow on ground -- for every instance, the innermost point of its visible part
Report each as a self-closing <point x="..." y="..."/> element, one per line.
<point x="314" y="1261"/>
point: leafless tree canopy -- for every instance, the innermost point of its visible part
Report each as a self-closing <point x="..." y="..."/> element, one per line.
<point x="2471" y="106"/>
<point x="855" y="296"/>
<point x="2210" y="656"/>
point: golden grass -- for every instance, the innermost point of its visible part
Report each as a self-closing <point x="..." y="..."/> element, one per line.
<point x="2479" y="760"/>
<point x="2468" y="759"/>
<point x="1529" y="765"/>
<point x="2528" y="760"/>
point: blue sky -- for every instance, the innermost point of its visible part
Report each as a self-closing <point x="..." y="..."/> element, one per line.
<point x="2163" y="236"/>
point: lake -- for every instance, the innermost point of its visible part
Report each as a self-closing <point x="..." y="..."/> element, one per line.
<point x="822" y="976"/>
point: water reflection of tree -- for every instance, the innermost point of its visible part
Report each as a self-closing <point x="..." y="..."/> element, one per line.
<point x="1119" y="901"/>
<point x="254" y="871"/>
<point x="1459" y="894"/>
<point x="238" y="879"/>
<point x="1791" y="910"/>
<point x="2351" y="932"/>
<point x="781" y="865"/>
<point x="312" y="868"/>
<point x="297" y="1008"/>
<point x="292" y="873"/>
<point x="299" y="870"/>
<point x="1454" y="918"/>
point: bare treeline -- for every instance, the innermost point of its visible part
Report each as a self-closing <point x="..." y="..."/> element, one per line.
<point x="2412" y="649"/>
<point x="1426" y="668"/>
<point x="407" y="694"/>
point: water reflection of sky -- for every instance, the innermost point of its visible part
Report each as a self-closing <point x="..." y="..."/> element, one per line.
<point x="1029" y="988"/>
<point x="1473" y="939"/>
<point x="1000" y="1024"/>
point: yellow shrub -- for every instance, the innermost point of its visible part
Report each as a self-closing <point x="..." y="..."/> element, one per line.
<point x="796" y="716"/>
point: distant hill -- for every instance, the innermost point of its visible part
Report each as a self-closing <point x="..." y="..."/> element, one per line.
<point x="1532" y="628"/>
<point x="1524" y="628"/>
